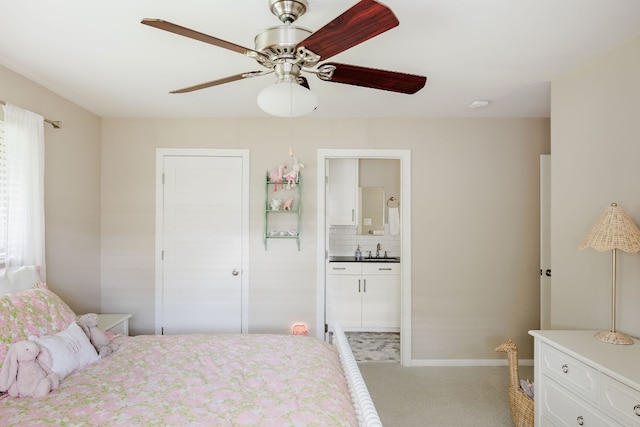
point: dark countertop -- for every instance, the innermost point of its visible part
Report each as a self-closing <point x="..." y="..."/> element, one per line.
<point x="364" y="259"/>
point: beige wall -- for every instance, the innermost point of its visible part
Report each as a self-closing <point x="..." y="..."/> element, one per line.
<point x="72" y="191"/>
<point x="475" y="221"/>
<point x="595" y="137"/>
<point x="475" y="216"/>
<point x="475" y="209"/>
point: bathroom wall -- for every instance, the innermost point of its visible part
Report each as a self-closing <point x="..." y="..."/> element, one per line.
<point x="343" y="240"/>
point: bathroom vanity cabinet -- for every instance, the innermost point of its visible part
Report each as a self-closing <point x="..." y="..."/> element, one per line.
<point x="364" y="296"/>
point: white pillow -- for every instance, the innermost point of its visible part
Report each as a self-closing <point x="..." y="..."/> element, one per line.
<point x="14" y="279"/>
<point x="70" y="350"/>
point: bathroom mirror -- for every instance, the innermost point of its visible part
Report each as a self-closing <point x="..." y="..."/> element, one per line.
<point x="371" y="207"/>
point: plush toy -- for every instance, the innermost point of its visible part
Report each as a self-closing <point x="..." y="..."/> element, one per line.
<point x="276" y="177"/>
<point x="287" y="204"/>
<point x="89" y="324"/>
<point x="23" y="375"/>
<point x="292" y="176"/>
<point x="275" y="204"/>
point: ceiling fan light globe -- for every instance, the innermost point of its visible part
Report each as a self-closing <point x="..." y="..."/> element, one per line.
<point x="287" y="99"/>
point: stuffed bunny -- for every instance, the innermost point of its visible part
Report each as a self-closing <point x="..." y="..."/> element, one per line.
<point x="23" y="375"/>
<point x="292" y="176"/>
<point x="89" y="324"/>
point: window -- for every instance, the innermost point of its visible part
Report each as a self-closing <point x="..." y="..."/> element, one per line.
<point x="21" y="188"/>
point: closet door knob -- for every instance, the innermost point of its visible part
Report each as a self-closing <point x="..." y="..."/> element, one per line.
<point x="235" y="272"/>
<point x="565" y="368"/>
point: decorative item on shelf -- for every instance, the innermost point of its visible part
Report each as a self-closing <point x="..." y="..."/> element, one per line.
<point x="614" y="230"/>
<point x="275" y="204"/>
<point x="292" y="175"/>
<point x="286" y="205"/>
<point x="276" y="176"/>
<point x="289" y="203"/>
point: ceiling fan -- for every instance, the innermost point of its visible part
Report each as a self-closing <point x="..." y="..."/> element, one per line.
<point x="288" y="50"/>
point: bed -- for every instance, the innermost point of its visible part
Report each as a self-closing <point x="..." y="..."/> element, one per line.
<point x="208" y="380"/>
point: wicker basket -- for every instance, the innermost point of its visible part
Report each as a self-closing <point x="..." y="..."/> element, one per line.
<point x="520" y="403"/>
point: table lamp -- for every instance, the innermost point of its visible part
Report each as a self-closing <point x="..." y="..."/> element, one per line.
<point x="614" y="230"/>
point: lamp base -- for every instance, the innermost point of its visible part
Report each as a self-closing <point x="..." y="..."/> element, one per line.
<point x="611" y="337"/>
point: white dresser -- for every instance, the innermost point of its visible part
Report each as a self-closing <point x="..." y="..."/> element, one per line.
<point x="580" y="381"/>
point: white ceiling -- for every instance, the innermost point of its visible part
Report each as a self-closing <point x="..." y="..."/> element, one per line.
<point x="98" y="55"/>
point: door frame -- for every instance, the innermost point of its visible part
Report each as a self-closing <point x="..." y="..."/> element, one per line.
<point x="404" y="156"/>
<point x="161" y="153"/>
<point x="545" y="241"/>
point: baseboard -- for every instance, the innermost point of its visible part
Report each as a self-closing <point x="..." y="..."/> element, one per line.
<point x="468" y="362"/>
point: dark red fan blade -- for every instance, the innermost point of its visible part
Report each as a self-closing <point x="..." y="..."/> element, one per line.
<point x="366" y="19"/>
<point x="376" y="79"/>
<point x="304" y="82"/>
<point x="186" y="32"/>
<point x="218" y="82"/>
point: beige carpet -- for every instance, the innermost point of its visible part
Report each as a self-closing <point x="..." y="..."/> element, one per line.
<point x="440" y="396"/>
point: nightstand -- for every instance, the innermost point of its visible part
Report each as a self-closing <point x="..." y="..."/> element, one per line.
<point x="116" y="323"/>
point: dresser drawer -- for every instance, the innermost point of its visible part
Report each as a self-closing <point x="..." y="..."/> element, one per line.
<point x="563" y="409"/>
<point x="569" y="372"/>
<point x="620" y="400"/>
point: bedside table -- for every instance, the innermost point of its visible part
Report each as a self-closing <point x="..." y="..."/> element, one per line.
<point x="116" y="323"/>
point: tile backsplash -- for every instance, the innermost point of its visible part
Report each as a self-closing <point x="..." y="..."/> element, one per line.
<point x="343" y="241"/>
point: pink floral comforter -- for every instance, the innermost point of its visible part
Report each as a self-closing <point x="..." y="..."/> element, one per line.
<point x="198" y="380"/>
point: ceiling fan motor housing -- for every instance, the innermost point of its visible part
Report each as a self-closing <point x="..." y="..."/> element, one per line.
<point x="288" y="10"/>
<point x="280" y="42"/>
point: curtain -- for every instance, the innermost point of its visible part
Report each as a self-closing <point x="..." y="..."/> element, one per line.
<point x="24" y="142"/>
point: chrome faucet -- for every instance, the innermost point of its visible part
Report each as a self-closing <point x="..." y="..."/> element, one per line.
<point x="378" y="251"/>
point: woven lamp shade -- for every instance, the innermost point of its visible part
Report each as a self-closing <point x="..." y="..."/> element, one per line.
<point x="613" y="230"/>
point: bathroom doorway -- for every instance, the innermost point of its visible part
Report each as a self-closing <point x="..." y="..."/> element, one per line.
<point x="403" y="158"/>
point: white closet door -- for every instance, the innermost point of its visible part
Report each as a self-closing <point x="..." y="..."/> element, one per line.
<point x="202" y="244"/>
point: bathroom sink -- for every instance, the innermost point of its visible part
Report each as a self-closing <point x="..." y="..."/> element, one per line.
<point x="388" y="259"/>
<point x="364" y="259"/>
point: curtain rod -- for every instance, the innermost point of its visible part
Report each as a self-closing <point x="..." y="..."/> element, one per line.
<point x="55" y="123"/>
